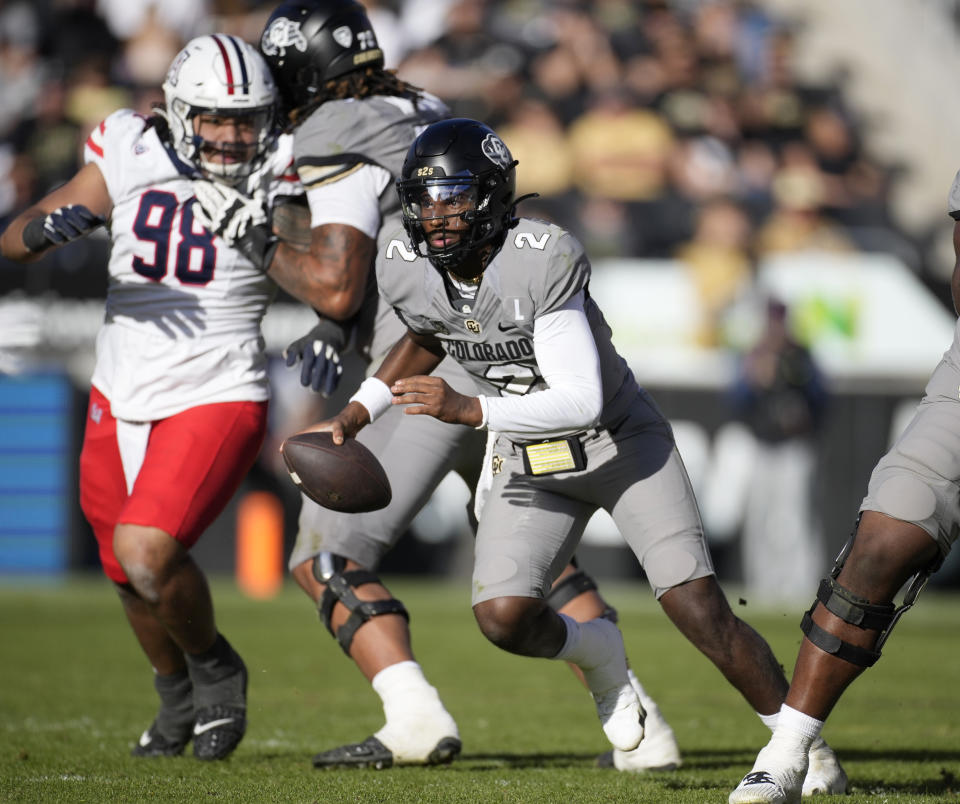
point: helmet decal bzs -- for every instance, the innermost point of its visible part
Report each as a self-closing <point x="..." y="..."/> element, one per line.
<point x="458" y="181"/>
<point x="223" y="79"/>
<point x="281" y="34"/>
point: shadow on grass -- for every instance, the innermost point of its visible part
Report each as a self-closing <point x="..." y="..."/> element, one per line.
<point x="492" y="762"/>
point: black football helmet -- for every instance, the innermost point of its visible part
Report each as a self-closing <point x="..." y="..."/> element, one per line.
<point x="464" y="159"/>
<point x="308" y="42"/>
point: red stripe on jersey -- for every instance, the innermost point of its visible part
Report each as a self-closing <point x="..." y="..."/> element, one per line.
<point x="226" y="61"/>
<point x="93" y="146"/>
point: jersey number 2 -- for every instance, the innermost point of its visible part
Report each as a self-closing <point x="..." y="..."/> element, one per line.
<point x="154" y="224"/>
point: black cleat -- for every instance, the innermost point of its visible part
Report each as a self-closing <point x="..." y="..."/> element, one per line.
<point x="217" y="731"/>
<point x="371" y="753"/>
<point x="218" y="728"/>
<point x="154" y="744"/>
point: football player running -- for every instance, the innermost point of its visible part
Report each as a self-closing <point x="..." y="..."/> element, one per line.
<point x="508" y="299"/>
<point x="353" y="122"/>
<point x="908" y="524"/>
<point x="178" y="398"/>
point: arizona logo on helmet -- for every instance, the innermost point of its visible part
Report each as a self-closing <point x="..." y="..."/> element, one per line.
<point x="173" y="74"/>
<point x="494" y="149"/>
<point x="281" y="34"/>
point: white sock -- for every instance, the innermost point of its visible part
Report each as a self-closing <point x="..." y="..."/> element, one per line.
<point x="415" y="716"/>
<point x="405" y="691"/>
<point x="796" y="721"/>
<point x="770" y="721"/>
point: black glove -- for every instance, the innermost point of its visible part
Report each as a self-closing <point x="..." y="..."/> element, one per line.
<point x="319" y="353"/>
<point x="60" y="226"/>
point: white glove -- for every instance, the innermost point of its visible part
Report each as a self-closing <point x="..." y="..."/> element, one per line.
<point x="227" y="212"/>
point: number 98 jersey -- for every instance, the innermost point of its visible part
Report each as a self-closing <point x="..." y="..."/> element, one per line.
<point x="183" y="313"/>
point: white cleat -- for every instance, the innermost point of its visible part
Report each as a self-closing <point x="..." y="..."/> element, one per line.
<point x="621" y="716"/>
<point x="658" y="751"/>
<point x="825" y="776"/>
<point x="414" y="740"/>
<point x="618" y="704"/>
<point x="776" y="778"/>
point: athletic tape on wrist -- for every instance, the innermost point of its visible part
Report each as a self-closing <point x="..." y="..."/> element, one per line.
<point x="375" y="395"/>
<point x="34" y="237"/>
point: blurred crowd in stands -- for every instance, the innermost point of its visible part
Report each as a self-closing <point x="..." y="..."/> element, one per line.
<point x="650" y="128"/>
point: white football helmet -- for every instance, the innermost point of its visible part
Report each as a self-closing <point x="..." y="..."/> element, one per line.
<point x="223" y="75"/>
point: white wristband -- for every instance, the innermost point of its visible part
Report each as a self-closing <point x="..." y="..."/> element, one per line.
<point x="375" y="395"/>
<point x="484" y="413"/>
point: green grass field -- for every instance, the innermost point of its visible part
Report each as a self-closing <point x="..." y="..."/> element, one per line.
<point x="75" y="692"/>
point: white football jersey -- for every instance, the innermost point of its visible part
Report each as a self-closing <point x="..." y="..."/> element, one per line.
<point x="183" y="312"/>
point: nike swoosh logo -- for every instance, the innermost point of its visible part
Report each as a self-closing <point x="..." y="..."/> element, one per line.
<point x="145" y="739"/>
<point x="213" y="724"/>
<point x="509" y="328"/>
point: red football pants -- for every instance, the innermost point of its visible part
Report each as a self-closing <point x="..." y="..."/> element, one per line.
<point x="194" y="463"/>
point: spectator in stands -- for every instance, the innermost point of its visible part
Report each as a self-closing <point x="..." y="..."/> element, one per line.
<point x="780" y="395"/>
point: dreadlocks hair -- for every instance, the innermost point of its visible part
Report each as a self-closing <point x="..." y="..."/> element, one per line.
<point x="358" y="84"/>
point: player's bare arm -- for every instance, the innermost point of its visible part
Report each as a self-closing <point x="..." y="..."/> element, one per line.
<point x="291" y="223"/>
<point x="332" y="276"/>
<point x="406" y="369"/>
<point x="87" y="189"/>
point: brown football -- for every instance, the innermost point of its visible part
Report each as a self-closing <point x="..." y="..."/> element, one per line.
<point x="346" y="478"/>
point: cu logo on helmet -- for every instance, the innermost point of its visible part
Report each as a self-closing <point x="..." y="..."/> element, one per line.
<point x="494" y="149"/>
<point x="281" y="34"/>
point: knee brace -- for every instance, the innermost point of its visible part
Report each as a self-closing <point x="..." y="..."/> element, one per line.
<point x="328" y="569"/>
<point x="571" y="587"/>
<point x="858" y="611"/>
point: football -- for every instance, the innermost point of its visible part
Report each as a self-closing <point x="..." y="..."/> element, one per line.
<point x="346" y="478"/>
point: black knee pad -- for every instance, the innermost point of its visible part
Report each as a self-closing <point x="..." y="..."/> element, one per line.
<point x="340" y="586"/>
<point x="852" y="609"/>
<point x="571" y="587"/>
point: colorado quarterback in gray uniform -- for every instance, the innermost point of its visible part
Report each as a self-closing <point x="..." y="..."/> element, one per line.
<point x="353" y="122"/>
<point x="509" y="300"/>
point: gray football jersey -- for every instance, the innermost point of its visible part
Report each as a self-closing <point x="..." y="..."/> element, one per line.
<point x="539" y="268"/>
<point x="340" y="137"/>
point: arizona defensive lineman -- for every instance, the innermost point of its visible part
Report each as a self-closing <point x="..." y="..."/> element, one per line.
<point x="509" y="300"/>
<point x="907" y="526"/>
<point x="353" y="122"/>
<point x="179" y="392"/>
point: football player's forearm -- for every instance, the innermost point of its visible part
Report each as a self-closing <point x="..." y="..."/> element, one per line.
<point x="407" y="358"/>
<point x="331" y="277"/>
<point x="11" y="241"/>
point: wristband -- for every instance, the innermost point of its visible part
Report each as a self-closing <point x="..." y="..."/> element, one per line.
<point x="34" y="237"/>
<point x="258" y="245"/>
<point x="375" y="395"/>
<point x="484" y="413"/>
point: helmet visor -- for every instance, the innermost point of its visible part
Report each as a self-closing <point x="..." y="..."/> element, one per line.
<point x="426" y="199"/>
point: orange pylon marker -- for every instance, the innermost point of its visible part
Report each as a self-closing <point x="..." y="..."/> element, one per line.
<point x="260" y="544"/>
